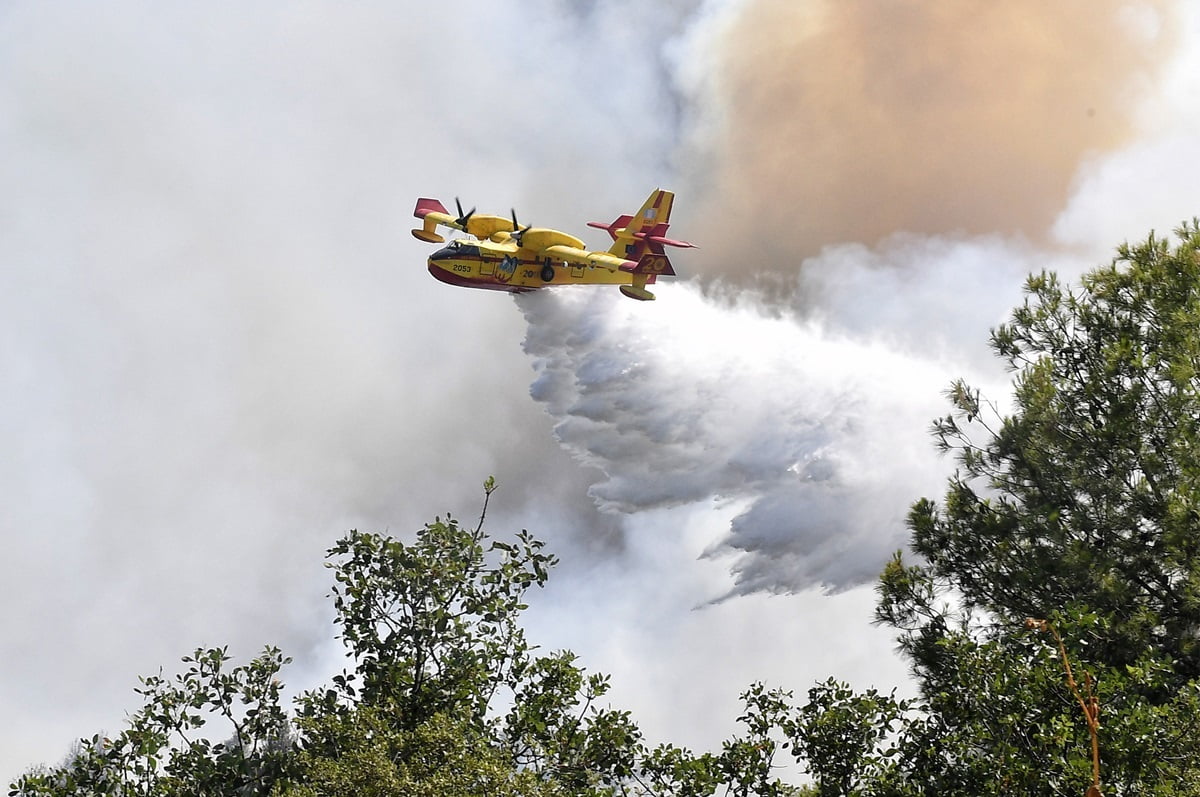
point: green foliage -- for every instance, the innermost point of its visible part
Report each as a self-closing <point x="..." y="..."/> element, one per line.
<point x="846" y="737"/>
<point x="445" y="695"/>
<point x="1089" y="492"/>
<point x="374" y="758"/>
<point x="433" y="628"/>
<point x="1081" y="506"/>
<point x="160" y="754"/>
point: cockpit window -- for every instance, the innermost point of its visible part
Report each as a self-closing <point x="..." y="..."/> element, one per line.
<point x="456" y="248"/>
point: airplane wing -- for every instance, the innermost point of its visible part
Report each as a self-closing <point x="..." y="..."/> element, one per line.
<point x="434" y="213"/>
<point x="583" y="257"/>
<point x="557" y="245"/>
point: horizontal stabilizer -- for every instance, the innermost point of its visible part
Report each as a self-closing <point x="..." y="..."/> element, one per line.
<point x="658" y="239"/>
<point x="620" y="224"/>
<point x="657" y="235"/>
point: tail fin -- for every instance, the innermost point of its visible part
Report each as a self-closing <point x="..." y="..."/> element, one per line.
<point x="635" y="236"/>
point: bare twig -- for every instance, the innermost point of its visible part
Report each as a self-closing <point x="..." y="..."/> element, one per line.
<point x="1088" y="702"/>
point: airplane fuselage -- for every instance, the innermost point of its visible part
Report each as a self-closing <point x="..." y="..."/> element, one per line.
<point x="505" y="267"/>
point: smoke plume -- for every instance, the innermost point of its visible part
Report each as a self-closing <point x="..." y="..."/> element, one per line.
<point x="849" y="121"/>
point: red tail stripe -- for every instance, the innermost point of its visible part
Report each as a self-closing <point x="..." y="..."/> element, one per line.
<point x="425" y="206"/>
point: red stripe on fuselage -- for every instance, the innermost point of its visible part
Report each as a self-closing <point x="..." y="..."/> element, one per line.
<point x="442" y="275"/>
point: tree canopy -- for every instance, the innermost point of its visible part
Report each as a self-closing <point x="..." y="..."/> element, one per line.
<point x="1049" y="606"/>
<point x="1077" y="510"/>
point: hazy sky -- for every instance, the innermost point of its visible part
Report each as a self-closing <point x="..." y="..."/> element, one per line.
<point x="220" y="348"/>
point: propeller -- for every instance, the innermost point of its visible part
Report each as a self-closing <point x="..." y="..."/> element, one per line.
<point x="463" y="218"/>
<point x="518" y="231"/>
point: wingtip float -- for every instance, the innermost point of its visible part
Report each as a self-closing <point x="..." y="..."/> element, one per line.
<point x="500" y="254"/>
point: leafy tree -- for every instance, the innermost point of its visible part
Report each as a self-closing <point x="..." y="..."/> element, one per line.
<point x="160" y="752"/>
<point x="445" y="695"/>
<point x="1080" y="508"/>
<point x="1089" y="493"/>
<point x="433" y="629"/>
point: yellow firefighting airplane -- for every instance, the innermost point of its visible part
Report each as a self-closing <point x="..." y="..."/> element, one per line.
<point x="499" y="254"/>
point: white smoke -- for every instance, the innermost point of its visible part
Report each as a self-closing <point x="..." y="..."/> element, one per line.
<point x="219" y="346"/>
